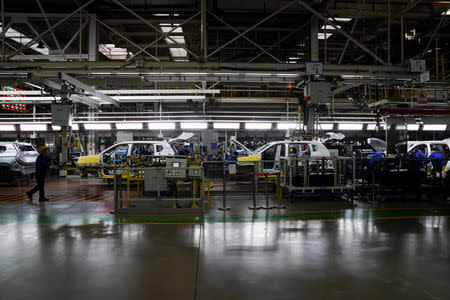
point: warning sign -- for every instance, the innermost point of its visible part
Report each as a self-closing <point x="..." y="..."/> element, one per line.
<point x="422" y="97"/>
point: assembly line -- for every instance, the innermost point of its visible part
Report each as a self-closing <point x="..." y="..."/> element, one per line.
<point x="235" y="150"/>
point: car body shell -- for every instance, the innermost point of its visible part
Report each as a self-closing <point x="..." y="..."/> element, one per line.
<point x="313" y="150"/>
<point x="17" y="160"/>
<point x="427" y="145"/>
<point x="118" y="153"/>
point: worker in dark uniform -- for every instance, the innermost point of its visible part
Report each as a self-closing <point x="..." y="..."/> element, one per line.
<point x="417" y="171"/>
<point x="42" y="165"/>
<point x="183" y="151"/>
<point x="148" y="150"/>
<point x="438" y="162"/>
<point x="233" y="157"/>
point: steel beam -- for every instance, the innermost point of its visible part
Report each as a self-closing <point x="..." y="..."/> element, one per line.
<point x="352" y="13"/>
<point x="343" y="89"/>
<point x="127" y="39"/>
<point x="50" y="27"/>
<point x="409" y="6"/>
<point x="203" y="32"/>
<point x="3" y="29"/>
<point x="163" y="36"/>
<point x="282" y="39"/>
<point x="314" y="41"/>
<point x="435" y="31"/>
<point x="154" y="27"/>
<point x="77" y="33"/>
<point x="251" y="28"/>
<point x="49" y="57"/>
<point x="351" y="32"/>
<point x="79" y="84"/>
<point x="44" y="81"/>
<point x="92" y="38"/>
<point x="56" y="25"/>
<point x="248" y="39"/>
<point x="314" y="12"/>
<point x="100" y="68"/>
<point x="37" y="33"/>
<point x="85" y="100"/>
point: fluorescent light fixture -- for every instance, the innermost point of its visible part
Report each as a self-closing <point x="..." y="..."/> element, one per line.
<point x="97" y="126"/>
<point x="325" y="126"/>
<point x="340" y="19"/>
<point x="381" y="127"/>
<point x="350" y="126"/>
<point x="161" y="126"/>
<point x="329" y="27"/>
<point x="128" y="125"/>
<point x="220" y="125"/>
<point x="323" y="36"/>
<point x="7" y="127"/>
<point x="58" y="128"/>
<point x="413" y="127"/>
<point x="434" y="127"/>
<point x="33" y="127"/>
<point x="193" y="125"/>
<point x="400" y="127"/>
<point x="287" y="125"/>
<point x="262" y="126"/>
<point x="113" y="52"/>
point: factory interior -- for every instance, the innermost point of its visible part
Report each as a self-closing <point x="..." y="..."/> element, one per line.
<point x="210" y="149"/>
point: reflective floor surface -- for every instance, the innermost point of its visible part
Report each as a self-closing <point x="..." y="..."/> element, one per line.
<point x="73" y="248"/>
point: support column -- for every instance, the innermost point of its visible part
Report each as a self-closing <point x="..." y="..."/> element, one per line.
<point x="203" y="32"/>
<point x="93" y="38"/>
<point x="402" y="38"/>
<point x="389" y="32"/>
<point x="314" y="41"/>
<point x="3" y="29"/>
<point x="437" y="60"/>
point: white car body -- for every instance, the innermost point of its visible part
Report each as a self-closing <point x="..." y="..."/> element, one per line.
<point x="17" y="160"/>
<point x="443" y="147"/>
<point x="298" y="149"/>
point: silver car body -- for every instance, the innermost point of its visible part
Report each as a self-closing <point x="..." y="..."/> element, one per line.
<point x="17" y="159"/>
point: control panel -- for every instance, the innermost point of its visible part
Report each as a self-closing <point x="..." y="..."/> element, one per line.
<point x="175" y="168"/>
<point x="195" y="172"/>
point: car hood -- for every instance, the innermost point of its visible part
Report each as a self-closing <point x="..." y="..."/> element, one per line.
<point x="377" y="144"/>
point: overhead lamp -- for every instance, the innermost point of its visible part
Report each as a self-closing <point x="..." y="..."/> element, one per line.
<point x="350" y="126"/>
<point x="288" y="125"/>
<point x="97" y="126"/>
<point x="324" y="126"/>
<point x="338" y="19"/>
<point x="413" y="127"/>
<point x="193" y="125"/>
<point x="380" y="127"/>
<point x="7" y="127"/>
<point x="58" y="128"/>
<point x="20" y="98"/>
<point x="226" y="125"/>
<point x="434" y="127"/>
<point x="161" y="125"/>
<point x="33" y="127"/>
<point x="129" y="126"/>
<point x="258" y="126"/>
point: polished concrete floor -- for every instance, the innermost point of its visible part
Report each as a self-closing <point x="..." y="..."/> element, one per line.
<point x="73" y="248"/>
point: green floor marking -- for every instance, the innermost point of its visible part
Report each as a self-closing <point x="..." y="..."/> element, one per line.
<point x="360" y="214"/>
